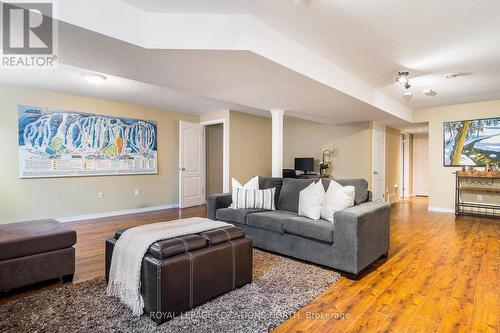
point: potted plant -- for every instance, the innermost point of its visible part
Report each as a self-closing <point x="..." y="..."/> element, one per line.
<point x="324" y="164"/>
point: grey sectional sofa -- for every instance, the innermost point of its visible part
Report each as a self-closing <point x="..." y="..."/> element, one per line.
<point x="358" y="236"/>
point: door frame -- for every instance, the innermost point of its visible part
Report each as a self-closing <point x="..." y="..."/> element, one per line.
<point x="225" y="154"/>
<point x="383" y="158"/>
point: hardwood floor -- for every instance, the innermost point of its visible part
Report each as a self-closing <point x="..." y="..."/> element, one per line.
<point x="442" y="275"/>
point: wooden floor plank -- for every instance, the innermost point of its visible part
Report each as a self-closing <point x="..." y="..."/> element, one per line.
<point x="442" y="274"/>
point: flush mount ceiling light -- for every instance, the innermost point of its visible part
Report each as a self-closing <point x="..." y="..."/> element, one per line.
<point x="429" y="92"/>
<point x="94" y="78"/>
<point x="407" y="95"/>
<point x="402" y="78"/>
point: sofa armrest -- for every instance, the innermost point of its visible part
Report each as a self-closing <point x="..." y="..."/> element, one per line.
<point x="217" y="201"/>
<point x="361" y="235"/>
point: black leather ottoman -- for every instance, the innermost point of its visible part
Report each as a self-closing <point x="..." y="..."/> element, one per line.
<point x="35" y="251"/>
<point x="181" y="273"/>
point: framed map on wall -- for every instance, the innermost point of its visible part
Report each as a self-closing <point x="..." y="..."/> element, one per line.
<point x="471" y="142"/>
<point x="55" y="143"/>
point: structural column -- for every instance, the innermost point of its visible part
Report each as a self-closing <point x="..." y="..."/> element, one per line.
<point x="277" y="143"/>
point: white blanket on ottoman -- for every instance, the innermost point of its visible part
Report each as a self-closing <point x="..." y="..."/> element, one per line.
<point x="129" y="250"/>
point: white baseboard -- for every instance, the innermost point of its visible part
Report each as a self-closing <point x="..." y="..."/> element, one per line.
<point x="116" y="213"/>
<point x="441" y="210"/>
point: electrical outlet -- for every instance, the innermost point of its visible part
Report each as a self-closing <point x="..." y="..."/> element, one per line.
<point x="100" y="195"/>
<point x="137" y="192"/>
<point x="479" y="197"/>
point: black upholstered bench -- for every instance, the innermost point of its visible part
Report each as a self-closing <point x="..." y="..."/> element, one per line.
<point x="35" y="251"/>
<point x="181" y="273"/>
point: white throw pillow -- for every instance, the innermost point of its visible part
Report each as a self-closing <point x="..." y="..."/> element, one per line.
<point x="252" y="184"/>
<point x="310" y="200"/>
<point x="261" y="199"/>
<point x="337" y="198"/>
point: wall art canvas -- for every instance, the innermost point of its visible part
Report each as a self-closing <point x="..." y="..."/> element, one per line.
<point x="472" y="142"/>
<point x="56" y="143"/>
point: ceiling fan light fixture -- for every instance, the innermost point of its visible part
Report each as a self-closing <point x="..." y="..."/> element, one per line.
<point x="403" y="79"/>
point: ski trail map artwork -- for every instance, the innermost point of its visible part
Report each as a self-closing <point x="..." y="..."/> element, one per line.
<point x="54" y="143"/>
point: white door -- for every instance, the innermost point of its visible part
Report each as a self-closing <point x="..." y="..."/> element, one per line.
<point x="405" y="165"/>
<point x="378" y="162"/>
<point x="420" y="164"/>
<point x="190" y="164"/>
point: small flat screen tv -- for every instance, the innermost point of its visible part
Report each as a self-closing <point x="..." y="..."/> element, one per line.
<point x="304" y="164"/>
<point x="471" y="142"/>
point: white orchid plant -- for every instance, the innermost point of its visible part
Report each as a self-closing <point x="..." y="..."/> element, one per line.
<point x="327" y="153"/>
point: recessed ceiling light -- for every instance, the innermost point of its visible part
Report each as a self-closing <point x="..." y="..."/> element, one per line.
<point x="407" y="94"/>
<point x="420" y="130"/>
<point x="429" y="92"/>
<point x="94" y="78"/>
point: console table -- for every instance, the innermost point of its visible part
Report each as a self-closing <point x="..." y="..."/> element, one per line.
<point x="477" y="193"/>
<point x="312" y="176"/>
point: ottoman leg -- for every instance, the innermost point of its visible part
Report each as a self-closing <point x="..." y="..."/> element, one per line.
<point x="68" y="278"/>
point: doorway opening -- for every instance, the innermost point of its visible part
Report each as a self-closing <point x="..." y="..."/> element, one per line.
<point x="214" y="158"/>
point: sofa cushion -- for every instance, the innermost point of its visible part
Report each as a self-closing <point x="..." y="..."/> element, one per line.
<point x="360" y="188"/>
<point x="254" y="199"/>
<point x="270" y="220"/>
<point x="337" y="198"/>
<point x="289" y="195"/>
<point x="34" y="237"/>
<point x="310" y="200"/>
<point x="302" y="226"/>
<point x="270" y="182"/>
<point x="235" y="215"/>
<point x="252" y="184"/>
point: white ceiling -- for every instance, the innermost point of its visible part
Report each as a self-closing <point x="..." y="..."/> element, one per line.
<point x="330" y="61"/>
<point x="374" y="39"/>
<point x="68" y="79"/>
<point x="244" y="80"/>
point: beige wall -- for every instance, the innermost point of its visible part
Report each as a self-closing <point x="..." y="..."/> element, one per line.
<point x="214" y="138"/>
<point x="352" y="142"/>
<point x="250" y="146"/>
<point x="23" y="199"/>
<point x="442" y="179"/>
<point x="219" y="115"/>
<point x="392" y="164"/>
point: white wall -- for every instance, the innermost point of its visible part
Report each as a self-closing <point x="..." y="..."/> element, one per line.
<point x="441" y="178"/>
